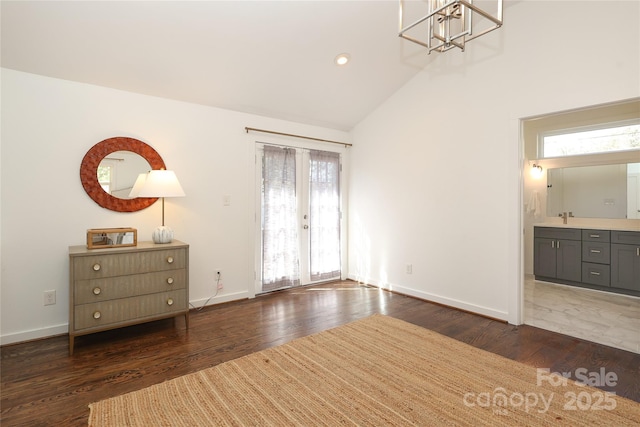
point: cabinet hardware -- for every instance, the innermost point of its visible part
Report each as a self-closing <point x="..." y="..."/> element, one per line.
<point x="97" y="290"/>
<point x="96" y="267"/>
<point x="594" y="273"/>
<point x="594" y="236"/>
<point x="170" y="260"/>
<point x="170" y="280"/>
<point x="595" y="251"/>
<point x="558" y="247"/>
<point x="553" y="244"/>
<point x="96" y="314"/>
<point x="170" y="301"/>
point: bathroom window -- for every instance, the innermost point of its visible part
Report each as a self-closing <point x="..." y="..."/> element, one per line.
<point x="620" y="136"/>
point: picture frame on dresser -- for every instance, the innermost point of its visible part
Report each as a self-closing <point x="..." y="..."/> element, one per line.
<point x="123" y="286"/>
<point x="111" y="237"/>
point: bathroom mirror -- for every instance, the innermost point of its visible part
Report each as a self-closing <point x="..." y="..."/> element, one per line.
<point x="110" y="150"/>
<point x="603" y="191"/>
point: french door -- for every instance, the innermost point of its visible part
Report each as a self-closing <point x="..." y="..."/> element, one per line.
<point x="300" y="216"/>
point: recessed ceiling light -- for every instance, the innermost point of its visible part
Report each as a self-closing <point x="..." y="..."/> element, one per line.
<point x="342" y="59"/>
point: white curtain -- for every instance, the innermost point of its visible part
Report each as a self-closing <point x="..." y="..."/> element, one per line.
<point x="324" y="218"/>
<point x="280" y="266"/>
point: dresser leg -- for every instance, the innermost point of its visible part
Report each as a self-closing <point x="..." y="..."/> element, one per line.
<point x="186" y="319"/>
<point x="71" y="339"/>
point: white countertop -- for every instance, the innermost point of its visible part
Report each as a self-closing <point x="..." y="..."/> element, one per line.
<point x="586" y="223"/>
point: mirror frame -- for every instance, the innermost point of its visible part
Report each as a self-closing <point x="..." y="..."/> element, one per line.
<point x="89" y="172"/>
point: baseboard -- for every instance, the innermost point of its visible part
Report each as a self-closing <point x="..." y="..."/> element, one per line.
<point x="198" y="303"/>
<point x="426" y="296"/>
<point x="34" y="334"/>
<point x="63" y="329"/>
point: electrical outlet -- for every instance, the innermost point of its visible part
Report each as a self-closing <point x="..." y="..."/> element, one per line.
<point x="219" y="278"/>
<point x="49" y="297"/>
<point x="409" y="268"/>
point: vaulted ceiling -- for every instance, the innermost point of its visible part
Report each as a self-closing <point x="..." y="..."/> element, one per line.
<point x="271" y="58"/>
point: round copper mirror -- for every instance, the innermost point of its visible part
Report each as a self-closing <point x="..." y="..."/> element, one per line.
<point x="89" y="172"/>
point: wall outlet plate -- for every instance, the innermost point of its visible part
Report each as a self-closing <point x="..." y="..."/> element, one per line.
<point x="49" y="297"/>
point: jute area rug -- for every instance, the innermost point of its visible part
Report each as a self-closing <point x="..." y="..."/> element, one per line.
<point x="378" y="371"/>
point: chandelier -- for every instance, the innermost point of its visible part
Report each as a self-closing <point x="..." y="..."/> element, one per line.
<point x="449" y="24"/>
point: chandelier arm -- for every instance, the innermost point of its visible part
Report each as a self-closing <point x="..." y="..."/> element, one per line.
<point x="488" y="30"/>
<point x="424" y="18"/>
<point x="439" y="36"/>
<point x="497" y="21"/>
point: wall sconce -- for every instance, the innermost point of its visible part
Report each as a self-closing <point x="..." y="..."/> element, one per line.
<point x="158" y="183"/>
<point x="536" y="171"/>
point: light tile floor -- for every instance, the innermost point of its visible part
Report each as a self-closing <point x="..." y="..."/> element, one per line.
<point x="602" y="317"/>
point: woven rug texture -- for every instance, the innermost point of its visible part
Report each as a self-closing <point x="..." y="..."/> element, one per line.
<point x="378" y="371"/>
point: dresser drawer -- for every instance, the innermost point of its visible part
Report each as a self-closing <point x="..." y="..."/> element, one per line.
<point x="596" y="236"/>
<point x="134" y="309"/>
<point x="596" y="274"/>
<point x="96" y="290"/>
<point x="110" y="265"/>
<point x="596" y="252"/>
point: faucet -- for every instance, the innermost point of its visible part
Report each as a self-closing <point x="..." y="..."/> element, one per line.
<point x="564" y="217"/>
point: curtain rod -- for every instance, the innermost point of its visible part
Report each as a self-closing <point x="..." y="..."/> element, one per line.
<point x="346" y="144"/>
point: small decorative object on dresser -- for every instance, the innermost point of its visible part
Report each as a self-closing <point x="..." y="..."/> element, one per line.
<point x="112" y="288"/>
<point x="111" y="237"/>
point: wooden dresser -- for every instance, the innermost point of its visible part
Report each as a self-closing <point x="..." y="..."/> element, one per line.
<point x="112" y="288"/>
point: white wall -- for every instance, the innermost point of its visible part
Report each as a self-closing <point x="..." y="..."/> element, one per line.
<point x="437" y="169"/>
<point x="47" y="127"/>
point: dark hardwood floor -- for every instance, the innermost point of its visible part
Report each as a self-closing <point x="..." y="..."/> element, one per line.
<point x="43" y="386"/>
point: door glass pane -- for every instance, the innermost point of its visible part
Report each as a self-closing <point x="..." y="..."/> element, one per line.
<point x="280" y="266"/>
<point x="324" y="218"/>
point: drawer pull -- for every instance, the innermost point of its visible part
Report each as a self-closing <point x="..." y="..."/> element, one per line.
<point x="170" y="280"/>
<point x="170" y="260"/>
<point x="97" y="290"/>
<point x="96" y="267"/>
<point x="170" y="301"/>
<point x="594" y="273"/>
<point x="594" y="236"/>
<point x="97" y="315"/>
<point x="595" y="251"/>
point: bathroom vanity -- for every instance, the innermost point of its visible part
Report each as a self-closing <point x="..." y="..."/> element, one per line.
<point x="603" y="259"/>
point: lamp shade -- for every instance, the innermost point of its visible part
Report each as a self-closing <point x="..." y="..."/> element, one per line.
<point x="135" y="190"/>
<point x="159" y="183"/>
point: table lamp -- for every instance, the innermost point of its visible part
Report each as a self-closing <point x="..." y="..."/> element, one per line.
<point x="158" y="183"/>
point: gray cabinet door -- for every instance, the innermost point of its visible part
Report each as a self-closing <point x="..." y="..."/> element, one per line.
<point x="544" y="257"/>
<point x="625" y="266"/>
<point x="569" y="259"/>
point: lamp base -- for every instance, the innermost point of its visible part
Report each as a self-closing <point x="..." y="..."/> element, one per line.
<point x="162" y="234"/>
